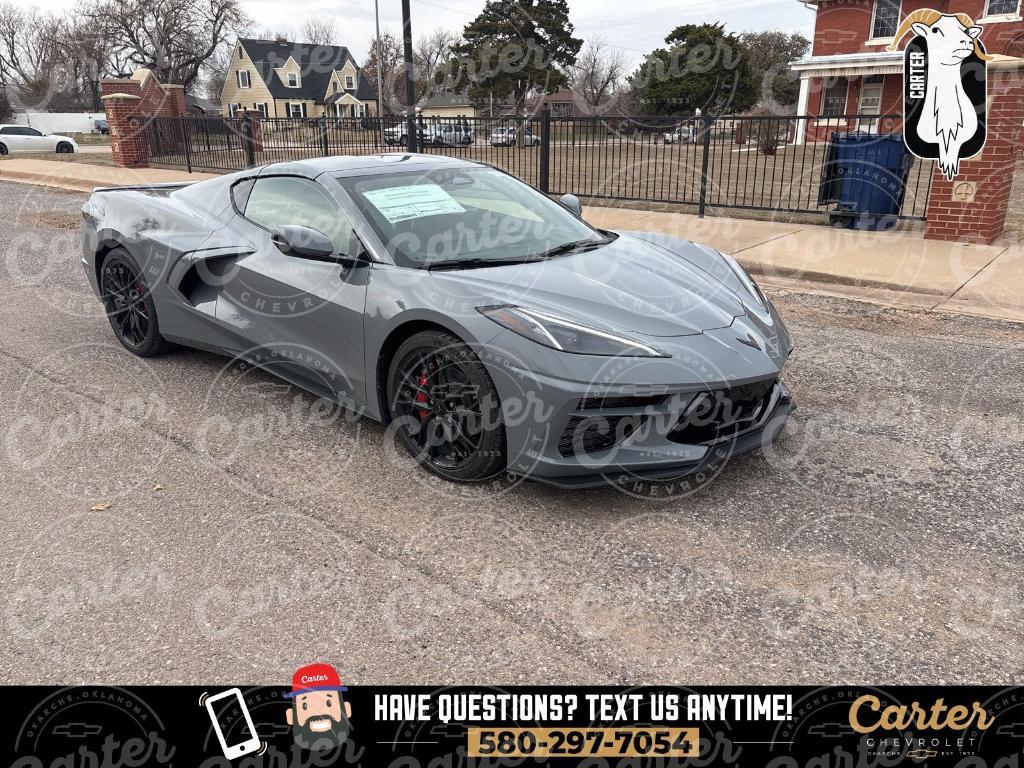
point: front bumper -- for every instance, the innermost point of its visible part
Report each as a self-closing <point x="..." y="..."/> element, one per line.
<point x="667" y="467"/>
<point x="642" y="432"/>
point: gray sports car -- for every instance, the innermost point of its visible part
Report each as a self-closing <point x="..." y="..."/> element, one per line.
<point x="493" y="329"/>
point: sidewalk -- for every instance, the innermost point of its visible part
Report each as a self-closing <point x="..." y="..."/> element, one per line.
<point x="891" y="268"/>
<point x="83" y="177"/>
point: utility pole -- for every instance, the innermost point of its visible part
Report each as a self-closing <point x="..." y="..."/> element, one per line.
<point x="410" y="85"/>
<point x="380" y="77"/>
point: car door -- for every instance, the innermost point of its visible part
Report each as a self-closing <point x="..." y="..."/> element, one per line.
<point x="300" y="316"/>
<point x="33" y="140"/>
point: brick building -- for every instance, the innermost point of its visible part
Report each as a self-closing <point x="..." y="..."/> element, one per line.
<point x="850" y="71"/>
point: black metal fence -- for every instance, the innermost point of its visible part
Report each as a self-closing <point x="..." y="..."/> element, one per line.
<point x="762" y="163"/>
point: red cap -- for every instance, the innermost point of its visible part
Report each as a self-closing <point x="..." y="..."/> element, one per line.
<point x="315" y="677"/>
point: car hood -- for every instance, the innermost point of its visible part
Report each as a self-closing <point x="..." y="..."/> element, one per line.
<point x="627" y="285"/>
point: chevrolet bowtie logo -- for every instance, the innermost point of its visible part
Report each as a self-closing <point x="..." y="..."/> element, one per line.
<point x="76" y="730"/>
<point x="921" y="754"/>
<point x="750" y="341"/>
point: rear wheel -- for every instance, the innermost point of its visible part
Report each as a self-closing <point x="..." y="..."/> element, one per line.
<point x="446" y="409"/>
<point x="129" y="305"/>
<point x="65" y="148"/>
<point x="3" y="149"/>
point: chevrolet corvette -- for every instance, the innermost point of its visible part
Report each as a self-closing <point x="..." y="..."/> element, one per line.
<point x="492" y="328"/>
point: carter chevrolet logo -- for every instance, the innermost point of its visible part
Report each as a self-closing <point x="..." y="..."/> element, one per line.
<point x="750" y="341"/>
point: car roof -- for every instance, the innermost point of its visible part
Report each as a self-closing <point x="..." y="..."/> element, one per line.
<point x="364" y="164"/>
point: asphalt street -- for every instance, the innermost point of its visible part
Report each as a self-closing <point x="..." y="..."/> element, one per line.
<point x="185" y="520"/>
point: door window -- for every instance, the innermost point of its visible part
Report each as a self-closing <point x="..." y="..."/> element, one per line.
<point x="277" y="200"/>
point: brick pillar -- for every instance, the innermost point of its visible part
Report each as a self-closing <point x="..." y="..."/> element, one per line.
<point x="175" y="100"/>
<point x="127" y="139"/>
<point x="988" y="176"/>
<point x="253" y="116"/>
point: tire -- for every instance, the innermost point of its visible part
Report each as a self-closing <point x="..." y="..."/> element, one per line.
<point x="436" y="388"/>
<point x="129" y="304"/>
<point x="64" y="148"/>
<point x="3" y="149"/>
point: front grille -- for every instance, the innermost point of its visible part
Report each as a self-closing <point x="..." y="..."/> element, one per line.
<point x="589" y="434"/>
<point x="722" y="413"/>
<point x="620" y="401"/>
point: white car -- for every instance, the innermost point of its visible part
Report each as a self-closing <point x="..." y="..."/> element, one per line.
<point x="21" y="138"/>
<point x="683" y="134"/>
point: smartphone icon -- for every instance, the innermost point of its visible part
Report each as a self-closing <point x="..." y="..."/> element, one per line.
<point x="220" y="708"/>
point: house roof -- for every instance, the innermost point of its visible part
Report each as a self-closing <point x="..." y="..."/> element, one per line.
<point x="316" y="64"/>
<point x="448" y="99"/>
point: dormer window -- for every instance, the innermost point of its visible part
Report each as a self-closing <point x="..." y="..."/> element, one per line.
<point x="293" y="80"/>
<point x="350" y="82"/>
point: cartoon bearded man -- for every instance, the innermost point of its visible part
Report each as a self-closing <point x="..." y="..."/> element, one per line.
<point x="319" y="716"/>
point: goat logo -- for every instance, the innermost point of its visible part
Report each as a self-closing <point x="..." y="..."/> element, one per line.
<point x="944" y="87"/>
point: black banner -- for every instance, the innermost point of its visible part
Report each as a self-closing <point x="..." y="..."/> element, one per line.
<point x="409" y="727"/>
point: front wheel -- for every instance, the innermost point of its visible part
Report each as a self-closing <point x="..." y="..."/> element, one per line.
<point x="64" y="148"/>
<point x="445" y="408"/>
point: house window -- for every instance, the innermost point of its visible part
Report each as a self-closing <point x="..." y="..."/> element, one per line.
<point x="1002" y="7"/>
<point x="350" y="82"/>
<point x="359" y="110"/>
<point x="241" y="53"/>
<point x="262" y="109"/>
<point x="243" y="78"/>
<point x="833" y="99"/>
<point x="295" y="109"/>
<point x="233" y="109"/>
<point x="293" y="80"/>
<point x="886" y="18"/>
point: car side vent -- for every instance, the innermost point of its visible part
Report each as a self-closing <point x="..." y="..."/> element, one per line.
<point x="620" y="401"/>
<point x="589" y="434"/>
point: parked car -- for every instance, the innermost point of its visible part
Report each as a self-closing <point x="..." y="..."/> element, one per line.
<point x="507" y="136"/>
<point x="448" y="134"/>
<point x="101" y="126"/>
<point x="683" y="134"/>
<point x="21" y="138"/>
<point x="397" y="134"/>
<point x="597" y="371"/>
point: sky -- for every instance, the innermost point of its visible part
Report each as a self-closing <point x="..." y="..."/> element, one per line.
<point x="636" y="26"/>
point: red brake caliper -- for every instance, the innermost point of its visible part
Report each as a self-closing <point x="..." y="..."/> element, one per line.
<point x="421" y="396"/>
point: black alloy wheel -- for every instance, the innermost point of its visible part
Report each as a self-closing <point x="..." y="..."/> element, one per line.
<point x="445" y="408"/>
<point x="64" y="148"/>
<point x="129" y="305"/>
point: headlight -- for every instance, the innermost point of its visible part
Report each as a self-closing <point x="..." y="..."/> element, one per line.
<point x="566" y="335"/>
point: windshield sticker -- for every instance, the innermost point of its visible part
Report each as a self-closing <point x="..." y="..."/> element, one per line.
<point x="412" y="202"/>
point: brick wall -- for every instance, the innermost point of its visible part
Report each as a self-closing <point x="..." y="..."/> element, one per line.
<point x="983" y="219"/>
<point x="844" y="26"/>
<point x="129" y="104"/>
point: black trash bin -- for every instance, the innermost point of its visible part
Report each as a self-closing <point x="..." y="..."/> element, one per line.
<point x="865" y="177"/>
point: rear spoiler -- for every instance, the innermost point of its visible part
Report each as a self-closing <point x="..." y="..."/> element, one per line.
<point x="168" y="186"/>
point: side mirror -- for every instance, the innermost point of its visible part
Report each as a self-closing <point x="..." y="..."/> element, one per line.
<point x="303" y="242"/>
<point x="573" y="204"/>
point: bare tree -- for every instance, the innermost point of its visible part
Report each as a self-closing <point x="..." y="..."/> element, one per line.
<point x="432" y="56"/>
<point x="319" y="30"/>
<point x="172" y="38"/>
<point x="31" y="70"/>
<point x="392" y="99"/>
<point x="597" y="74"/>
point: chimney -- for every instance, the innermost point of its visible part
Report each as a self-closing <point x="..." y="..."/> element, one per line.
<point x="281" y="38"/>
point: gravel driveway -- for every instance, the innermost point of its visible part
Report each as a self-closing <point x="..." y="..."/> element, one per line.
<point x="185" y="520"/>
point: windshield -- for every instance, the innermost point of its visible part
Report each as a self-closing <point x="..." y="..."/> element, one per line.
<point x="469" y="216"/>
